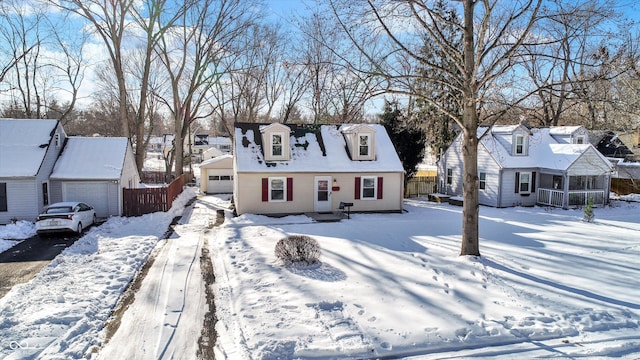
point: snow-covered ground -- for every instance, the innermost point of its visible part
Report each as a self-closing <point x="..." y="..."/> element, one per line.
<point x="547" y="285"/>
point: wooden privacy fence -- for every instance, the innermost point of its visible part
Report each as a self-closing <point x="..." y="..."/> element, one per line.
<point x="420" y="186"/>
<point x="625" y="186"/>
<point x="142" y="201"/>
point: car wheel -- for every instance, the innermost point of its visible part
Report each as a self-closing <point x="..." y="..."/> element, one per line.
<point x="94" y="219"/>
<point x="79" y="231"/>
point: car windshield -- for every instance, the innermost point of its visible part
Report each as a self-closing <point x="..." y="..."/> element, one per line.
<point x="59" y="210"/>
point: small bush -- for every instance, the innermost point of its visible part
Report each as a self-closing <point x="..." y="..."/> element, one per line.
<point x="588" y="211"/>
<point x="298" y="249"/>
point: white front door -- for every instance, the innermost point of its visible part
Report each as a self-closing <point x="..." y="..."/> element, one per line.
<point x="322" y="193"/>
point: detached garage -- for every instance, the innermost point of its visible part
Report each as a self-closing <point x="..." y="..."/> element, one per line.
<point x="95" y="170"/>
<point x="216" y="175"/>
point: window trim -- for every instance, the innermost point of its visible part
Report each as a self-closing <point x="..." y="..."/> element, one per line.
<point x="284" y="189"/>
<point x="368" y="144"/>
<point x="374" y="195"/>
<point x="482" y="181"/>
<point x="516" y="145"/>
<point x="529" y="175"/>
<point x="449" y="176"/>
<point x="581" y="139"/>
<point x="273" y="145"/>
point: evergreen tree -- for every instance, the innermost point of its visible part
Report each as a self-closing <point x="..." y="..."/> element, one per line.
<point x="447" y="99"/>
<point x="407" y="136"/>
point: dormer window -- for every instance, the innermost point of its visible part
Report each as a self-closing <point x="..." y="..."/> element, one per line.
<point x="580" y="139"/>
<point x="361" y="141"/>
<point x="276" y="144"/>
<point x="519" y="145"/>
<point x="57" y="140"/>
<point x="275" y="139"/>
<point x="364" y="144"/>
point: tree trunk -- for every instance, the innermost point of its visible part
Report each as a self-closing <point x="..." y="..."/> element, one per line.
<point x="470" y="208"/>
<point x="470" y="244"/>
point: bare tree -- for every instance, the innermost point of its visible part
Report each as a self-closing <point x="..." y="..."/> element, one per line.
<point x="43" y="58"/>
<point x="492" y="31"/>
<point x="192" y="52"/>
<point x="110" y="20"/>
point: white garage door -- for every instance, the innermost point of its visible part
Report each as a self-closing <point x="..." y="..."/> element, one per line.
<point x="220" y="184"/>
<point x="95" y="194"/>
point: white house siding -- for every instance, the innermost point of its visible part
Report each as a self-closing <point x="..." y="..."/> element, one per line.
<point x="486" y="163"/>
<point x="248" y="193"/>
<point x="130" y="177"/>
<point x="509" y="196"/>
<point x="21" y="201"/>
<point x="452" y="159"/>
<point x="590" y="163"/>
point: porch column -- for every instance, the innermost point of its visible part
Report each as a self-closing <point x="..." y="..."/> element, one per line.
<point x="565" y="197"/>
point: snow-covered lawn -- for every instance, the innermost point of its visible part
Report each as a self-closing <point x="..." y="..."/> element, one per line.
<point x="12" y="234"/>
<point x="394" y="285"/>
<point x="547" y="285"/>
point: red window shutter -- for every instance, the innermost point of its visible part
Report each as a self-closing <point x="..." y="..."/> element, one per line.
<point x="356" y="195"/>
<point x="379" y="187"/>
<point x="265" y="189"/>
<point x="289" y="189"/>
<point x="517" y="189"/>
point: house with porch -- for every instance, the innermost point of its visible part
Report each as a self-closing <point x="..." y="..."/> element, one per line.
<point x="290" y="169"/>
<point x="521" y="166"/>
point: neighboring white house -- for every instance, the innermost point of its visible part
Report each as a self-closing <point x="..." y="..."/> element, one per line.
<point x="554" y="166"/>
<point x="216" y="175"/>
<point x="288" y="169"/>
<point x="95" y="170"/>
<point x="28" y="151"/>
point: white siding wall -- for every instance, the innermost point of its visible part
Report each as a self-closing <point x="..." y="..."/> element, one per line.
<point x="489" y="196"/>
<point x="130" y="177"/>
<point x="509" y="196"/>
<point x="22" y="202"/>
<point x="590" y="163"/>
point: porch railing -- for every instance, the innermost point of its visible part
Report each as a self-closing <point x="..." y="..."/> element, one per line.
<point x="555" y="198"/>
<point x="550" y="197"/>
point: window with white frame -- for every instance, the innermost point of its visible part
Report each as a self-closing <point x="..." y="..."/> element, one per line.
<point x="363" y="144"/>
<point x="580" y="139"/>
<point x="483" y="181"/>
<point x="369" y="187"/>
<point x="524" y="184"/>
<point x="277" y="189"/>
<point x="449" y="176"/>
<point x="276" y="144"/>
<point x="519" y="145"/>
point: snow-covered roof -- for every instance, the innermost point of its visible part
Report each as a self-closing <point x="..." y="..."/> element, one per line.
<point x="23" y="145"/>
<point x="563" y="130"/>
<point x="544" y="151"/>
<point x="314" y="148"/>
<point x="100" y="158"/>
<point x="216" y="159"/>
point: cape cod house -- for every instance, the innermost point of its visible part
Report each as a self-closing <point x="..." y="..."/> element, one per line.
<point x="518" y="166"/>
<point x="28" y="151"/>
<point x="289" y="169"/>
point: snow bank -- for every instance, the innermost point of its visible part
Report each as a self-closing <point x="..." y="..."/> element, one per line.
<point x="59" y="314"/>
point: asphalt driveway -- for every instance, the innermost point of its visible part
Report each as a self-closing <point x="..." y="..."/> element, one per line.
<point x="22" y="262"/>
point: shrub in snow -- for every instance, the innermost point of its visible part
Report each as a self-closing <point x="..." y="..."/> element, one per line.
<point x="588" y="211"/>
<point x="298" y="249"/>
